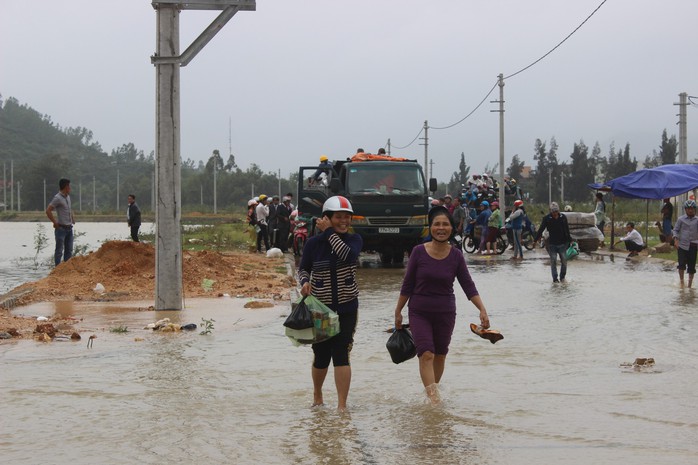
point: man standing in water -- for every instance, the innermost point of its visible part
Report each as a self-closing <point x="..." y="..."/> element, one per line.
<point x="133" y="217"/>
<point x="63" y="225"/>
<point x="558" y="240"/>
<point x="686" y="241"/>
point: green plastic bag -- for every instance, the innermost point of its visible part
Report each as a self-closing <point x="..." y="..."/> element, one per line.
<point x="572" y="250"/>
<point x="325" y="324"/>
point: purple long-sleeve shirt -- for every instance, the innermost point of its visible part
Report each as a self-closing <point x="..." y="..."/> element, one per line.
<point x="429" y="282"/>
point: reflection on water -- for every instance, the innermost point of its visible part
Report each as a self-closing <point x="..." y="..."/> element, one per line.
<point x="553" y="391"/>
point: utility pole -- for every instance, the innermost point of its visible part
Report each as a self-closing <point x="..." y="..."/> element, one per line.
<point x="388" y="146"/>
<point x="12" y="184"/>
<point x="279" y="182"/>
<point x="94" y="197"/>
<point x="117" y="191"/>
<point x="683" y="149"/>
<point x="562" y="187"/>
<point x="426" y="149"/>
<point x="19" y="196"/>
<point x="4" y="185"/>
<point x="550" y="185"/>
<point x="431" y="167"/>
<point x="502" y="206"/>
<point x="215" y="181"/>
<point x="44" y="193"/>
<point x="167" y="61"/>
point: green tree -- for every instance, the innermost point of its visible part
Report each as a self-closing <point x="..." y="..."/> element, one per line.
<point x="515" y="168"/>
<point x="547" y="171"/>
<point x="459" y="178"/>
<point x="580" y="173"/>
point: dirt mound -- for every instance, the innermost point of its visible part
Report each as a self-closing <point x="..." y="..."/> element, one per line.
<point x="127" y="272"/>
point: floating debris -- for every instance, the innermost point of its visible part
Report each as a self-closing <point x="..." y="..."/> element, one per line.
<point x="640" y="364"/>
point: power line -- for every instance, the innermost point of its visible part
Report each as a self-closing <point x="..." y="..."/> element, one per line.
<point x="413" y="140"/>
<point x="512" y="75"/>
<point x="474" y="109"/>
<point x="563" y="41"/>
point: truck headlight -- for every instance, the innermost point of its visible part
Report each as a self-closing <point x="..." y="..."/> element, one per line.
<point x="419" y="220"/>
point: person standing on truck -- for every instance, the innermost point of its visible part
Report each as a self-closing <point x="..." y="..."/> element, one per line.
<point x="327" y="271"/>
<point x="427" y="288"/>
<point x="325" y="167"/>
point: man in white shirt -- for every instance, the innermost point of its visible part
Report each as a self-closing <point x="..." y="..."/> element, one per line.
<point x="633" y="240"/>
<point x="262" y="211"/>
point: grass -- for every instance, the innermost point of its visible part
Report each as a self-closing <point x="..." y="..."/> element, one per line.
<point x="119" y="329"/>
<point x="220" y="237"/>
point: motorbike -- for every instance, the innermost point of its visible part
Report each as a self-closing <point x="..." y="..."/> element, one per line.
<point x="300" y="235"/>
<point x="471" y="241"/>
<point x="527" y="237"/>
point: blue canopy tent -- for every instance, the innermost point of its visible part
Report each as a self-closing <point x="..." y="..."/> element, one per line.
<point x="651" y="184"/>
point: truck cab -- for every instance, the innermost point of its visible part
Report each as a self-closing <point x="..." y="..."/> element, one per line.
<point x="389" y="197"/>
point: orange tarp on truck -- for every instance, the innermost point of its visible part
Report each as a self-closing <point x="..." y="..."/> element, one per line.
<point x="370" y="156"/>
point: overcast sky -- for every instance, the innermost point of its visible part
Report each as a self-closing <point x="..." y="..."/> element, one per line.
<point x="299" y="79"/>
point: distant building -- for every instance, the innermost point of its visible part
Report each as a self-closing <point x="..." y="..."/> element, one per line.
<point x="526" y="172"/>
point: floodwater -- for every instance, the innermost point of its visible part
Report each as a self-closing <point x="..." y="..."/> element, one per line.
<point x="19" y="260"/>
<point x="553" y="391"/>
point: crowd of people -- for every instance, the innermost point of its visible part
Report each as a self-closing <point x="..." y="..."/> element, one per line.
<point x="270" y="221"/>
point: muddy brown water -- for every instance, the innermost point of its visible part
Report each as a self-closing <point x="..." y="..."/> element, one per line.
<point x="553" y="391"/>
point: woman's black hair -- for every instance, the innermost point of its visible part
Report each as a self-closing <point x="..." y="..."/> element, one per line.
<point x="440" y="210"/>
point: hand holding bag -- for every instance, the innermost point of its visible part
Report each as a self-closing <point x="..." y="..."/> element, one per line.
<point x="401" y="345"/>
<point x="300" y="317"/>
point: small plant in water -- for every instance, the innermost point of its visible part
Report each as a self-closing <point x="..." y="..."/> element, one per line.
<point x="207" y="326"/>
<point x="119" y="329"/>
<point x="40" y="243"/>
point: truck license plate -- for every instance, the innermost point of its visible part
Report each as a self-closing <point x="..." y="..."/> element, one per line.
<point x="389" y="230"/>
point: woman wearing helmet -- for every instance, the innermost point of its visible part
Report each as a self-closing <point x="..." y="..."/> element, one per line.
<point x="516" y="220"/>
<point x="428" y="287"/>
<point x="327" y="271"/>
<point x="686" y="241"/>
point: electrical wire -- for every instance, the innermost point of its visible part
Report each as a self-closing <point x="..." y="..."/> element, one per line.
<point x="415" y="138"/>
<point x="512" y="75"/>
<point x="563" y="41"/>
<point x="474" y="109"/>
<point x="690" y="99"/>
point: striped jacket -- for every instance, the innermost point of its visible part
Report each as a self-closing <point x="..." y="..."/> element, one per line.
<point x="329" y="264"/>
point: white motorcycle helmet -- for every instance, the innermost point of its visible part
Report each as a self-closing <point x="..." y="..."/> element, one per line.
<point x="337" y="203"/>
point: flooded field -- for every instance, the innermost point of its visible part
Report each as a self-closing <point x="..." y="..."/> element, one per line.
<point x="555" y="390"/>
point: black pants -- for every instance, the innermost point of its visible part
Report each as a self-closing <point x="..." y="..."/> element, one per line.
<point x="134" y="232"/>
<point x="632" y="246"/>
<point x="337" y="348"/>
<point x="263" y="234"/>
<point x="282" y="236"/>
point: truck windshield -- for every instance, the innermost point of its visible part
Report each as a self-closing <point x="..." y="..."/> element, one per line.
<point x="393" y="179"/>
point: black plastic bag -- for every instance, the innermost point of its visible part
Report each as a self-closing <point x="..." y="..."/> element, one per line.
<point x="401" y="345"/>
<point x="300" y="317"/>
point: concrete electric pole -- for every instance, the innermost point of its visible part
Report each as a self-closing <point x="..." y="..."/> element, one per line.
<point x="426" y="149"/>
<point x="501" y="143"/>
<point x="168" y="184"/>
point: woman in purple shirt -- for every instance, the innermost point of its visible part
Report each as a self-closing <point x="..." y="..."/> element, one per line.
<point x="428" y="286"/>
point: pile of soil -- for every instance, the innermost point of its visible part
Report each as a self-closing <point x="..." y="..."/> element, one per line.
<point x="127" y="272"/>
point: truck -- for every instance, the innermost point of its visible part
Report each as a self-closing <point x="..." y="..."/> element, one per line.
<point x="389" y="196"/>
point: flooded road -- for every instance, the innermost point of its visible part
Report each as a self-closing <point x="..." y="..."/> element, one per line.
<point x="553" y="391"/>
